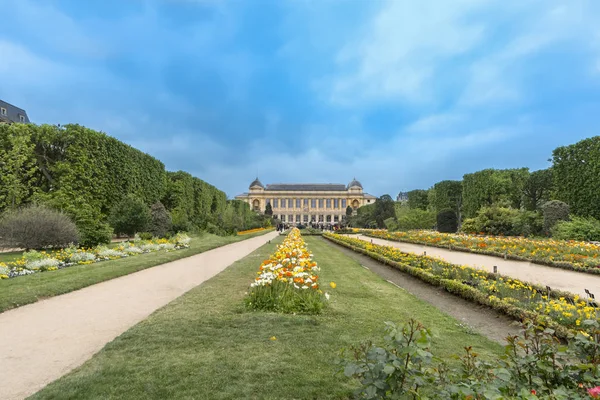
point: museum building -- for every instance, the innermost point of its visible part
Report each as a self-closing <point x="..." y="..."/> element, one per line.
<point x="306" y="203"/>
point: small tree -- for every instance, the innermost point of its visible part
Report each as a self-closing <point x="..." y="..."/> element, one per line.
<point x="447" y="222"/>
<point x="129" y="216"/>
<point x="37" y="227"/>
<point x="269" y="210"/>
<point x="160" y="223"/>
<point x="554" y="211"/>
<point x="349" y="212"/>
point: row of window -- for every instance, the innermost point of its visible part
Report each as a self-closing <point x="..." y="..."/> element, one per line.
<point x="322" y="203"/>
<point x="4" y="113"/>
<point x="305" y="218"/>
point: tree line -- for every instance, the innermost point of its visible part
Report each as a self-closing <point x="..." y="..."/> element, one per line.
<point x="508" y="201"/>
<point x="86" y="174"/>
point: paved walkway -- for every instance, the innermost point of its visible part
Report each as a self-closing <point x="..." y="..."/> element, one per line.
<point x="41" y="342"/>
<point x="556" y="278"/>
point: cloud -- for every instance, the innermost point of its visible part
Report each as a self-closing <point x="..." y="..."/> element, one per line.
<point x="401" y="49"/>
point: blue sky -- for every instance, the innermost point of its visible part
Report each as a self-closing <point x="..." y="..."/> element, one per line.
<point x="399" y="93"/>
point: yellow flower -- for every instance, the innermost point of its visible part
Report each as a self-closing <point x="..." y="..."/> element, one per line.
<point x="272" y="338"/>
<point x="332" y="284"/>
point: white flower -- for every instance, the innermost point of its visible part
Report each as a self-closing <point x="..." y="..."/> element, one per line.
<point x="327" y="295"/>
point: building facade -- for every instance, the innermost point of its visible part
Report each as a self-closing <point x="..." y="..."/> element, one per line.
<point x="10" y="114"/>
<point x="307" y="204"/>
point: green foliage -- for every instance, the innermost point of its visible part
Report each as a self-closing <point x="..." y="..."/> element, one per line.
<point x="447" y="221"/>
<point x="17" y="165"/>
<point x="494" y="220"/>
<point x="146" y="236"/>
<point x="391" y="224"/>
<point x="269" y="210"/>
<point x="364" y="218"/>
<point x="537" y="189"/>
<point x="384" y="209"/>
<point x="554" y="211"/>
<point x="130" y="216"/>
<point x="160" y="222"/>
<point x="414" y="218"/>
<point x="578" y="228"/>
<point x="491" y="186"/>
<point x="349" y="212"/>
<point x="575" y="169"/>
<point x="530" y="223"/>
<point x="36" y="227"/>
<point x="535" y="364"/>
<point x="446" y="195"/>
<point x="417" y="199"/>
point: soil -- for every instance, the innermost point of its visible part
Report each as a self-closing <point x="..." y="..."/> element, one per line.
<point x="471" y="317"/>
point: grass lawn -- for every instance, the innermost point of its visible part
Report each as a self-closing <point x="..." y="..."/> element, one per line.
<point x="204" y="345"/>
<point x="23" y="290"/>
<point x="10" y="256"/>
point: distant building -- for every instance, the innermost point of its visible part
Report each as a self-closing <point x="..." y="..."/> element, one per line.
<point x="315" y="203"/>
<point x="10" y="114"/>
<point x="402" y="197"/>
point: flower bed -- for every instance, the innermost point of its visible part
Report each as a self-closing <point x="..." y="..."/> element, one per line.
<point x="288" y="280"/>
<point x="253" y="231"/>
<point x="520" y="300"/>
<point x="567" y="254"/>
<point x="40" y="261"/>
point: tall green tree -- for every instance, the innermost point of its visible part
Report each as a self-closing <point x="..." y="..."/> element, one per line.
<point x="446" y="195"/>
<point x="17" y="166"/>
<point x="576" y="170"/>
<point x="269" y="210"/>
<point x="491" y="186"/>
<point x="418" y="199"/>
<point x="537" y="189"/>
<point x="384" y="209"/>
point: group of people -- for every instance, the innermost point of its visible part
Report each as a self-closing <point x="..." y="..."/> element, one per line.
<point x="324" y="226"/>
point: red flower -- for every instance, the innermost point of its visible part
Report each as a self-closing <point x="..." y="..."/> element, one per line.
<point x="533" y="392"/>
<point x="594" y="392"/>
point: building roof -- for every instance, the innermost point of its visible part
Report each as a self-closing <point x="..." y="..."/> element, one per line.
<point x="355" y="183"/>
<point x="256" y="182"/>
<point x="307" y="187"/>
<point x="12" y="113"/>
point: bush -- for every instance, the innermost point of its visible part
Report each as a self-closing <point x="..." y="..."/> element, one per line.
<point x="414" y="219"/>
<point x="530" y="223"/>
<point x="584" y="229"/>
<point x="130" y="216"/>
<point x="535" y="365"/>
<point x="494" y="220"/>
<point x="391" y="224"/>
<point x="554" y="211"/>
<point x="447" y="222"/>
<point x="160" y="223"/>
<point x="37" y="227"/>
<point x="146" y="236"/>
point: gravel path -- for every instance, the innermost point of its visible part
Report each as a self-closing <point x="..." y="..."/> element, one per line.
<point x="556" y="278"/>
<point x="472" y="317"/>
<point x="43" y="341"/>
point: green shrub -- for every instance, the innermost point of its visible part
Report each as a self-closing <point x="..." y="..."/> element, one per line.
<point x="130" y="216"/>
<point x="414" y="219"/>
<point x="391" y="224"/>
<point x="578" y="228"/>
<point x="535" y="364"/>
<point x="447" y="222"/>
<point x="529" y="223"/>
<point x="37" y="227"/>
<point x="146" y="235"/>
<point x="284" y="298"/>
<point x="160" y="223"/>
<point x="494" y="220"/>
<point x="554" y="211"/>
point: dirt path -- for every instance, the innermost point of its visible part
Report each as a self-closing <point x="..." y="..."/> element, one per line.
<point x="43" y="341"/>
<point x="472" y="317"/>
<point x="556" y="278"/>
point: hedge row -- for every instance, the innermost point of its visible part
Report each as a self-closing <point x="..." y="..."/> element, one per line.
<point x="84" y="173"/>
<point x="468" y="292"/>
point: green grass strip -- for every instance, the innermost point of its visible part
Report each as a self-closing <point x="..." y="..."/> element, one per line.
<point x="28" y="289"/>
<point x="204" y="345"/>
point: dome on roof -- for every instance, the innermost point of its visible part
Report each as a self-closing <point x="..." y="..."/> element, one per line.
<point x="354" y="183"/>
<point x="256" y="182"/>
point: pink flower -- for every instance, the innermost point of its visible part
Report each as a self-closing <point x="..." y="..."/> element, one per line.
<point x="594" y="392"/>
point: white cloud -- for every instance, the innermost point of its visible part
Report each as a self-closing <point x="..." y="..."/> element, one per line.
<point x="402" y="48"/>
<point x="435" y="123"/>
